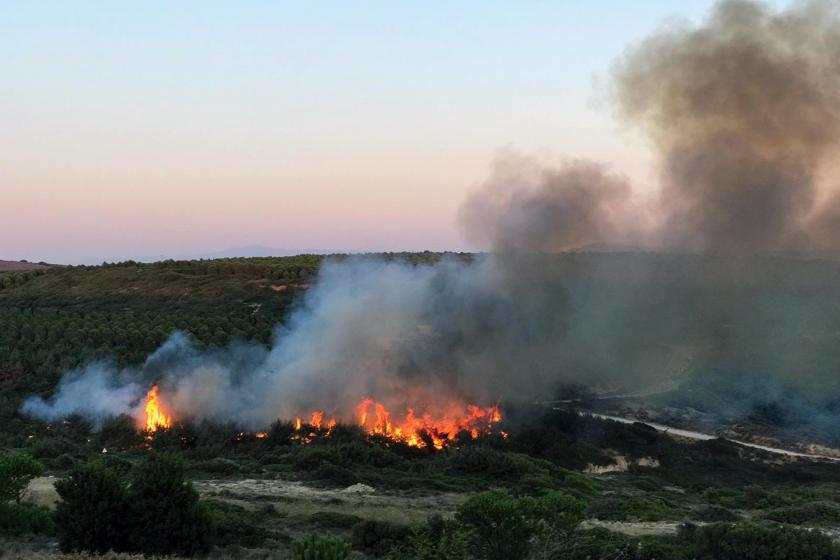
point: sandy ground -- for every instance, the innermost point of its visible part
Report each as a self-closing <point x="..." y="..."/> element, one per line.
<point x="41" y="492"/>
<point x="293" y="498"/>
<point x="290" y="497"/>
<point x="634" y="529"/>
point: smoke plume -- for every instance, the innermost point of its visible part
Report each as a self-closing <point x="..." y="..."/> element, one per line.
<point x="744" y="112"/>
<point x="525" y="207"/>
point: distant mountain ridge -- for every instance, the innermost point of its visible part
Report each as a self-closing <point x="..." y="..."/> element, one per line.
<point x="237" y="252"/>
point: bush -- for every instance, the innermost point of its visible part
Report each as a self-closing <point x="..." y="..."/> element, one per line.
<point x="487" y="461"/>
<point x="312" y="456"/>
<point x="747" y="541"/>
<point x="379" y="537"/>
<point x="93" y="513"/>
<point x="16" y="470"/>
<point x="218" y="465"/>
<point x="317" y="547"/>
<point x="814" y="512"/>
<point x="631" y="508"/>
<point x="25" y="519"/>
<point x="715" y="513"/>
<point x="234" y="524"/>
<point x="167" y="515"/>
<point x="437" y="539"/>
<point x="334" y="520"/>
<point x="504" y="524"/>
<point x="334" y="475"/>
<point x="158" y="513"/>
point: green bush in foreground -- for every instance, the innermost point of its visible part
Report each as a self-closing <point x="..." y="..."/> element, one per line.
<point x="16" y="471"/>
<point x="25" y="519"/>
<point x="437" y="539"/>
<point x="157" y="513"/>
<point x="93" y="513"/>
<point x="748" y="541"/>
<point x="504" y="524"/>
<point x="167" y="515"/>
<point x="318" y="547"/>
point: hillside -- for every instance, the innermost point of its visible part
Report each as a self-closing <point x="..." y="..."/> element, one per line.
<point x="11" y="266"/>
<point x="635" y="486"/>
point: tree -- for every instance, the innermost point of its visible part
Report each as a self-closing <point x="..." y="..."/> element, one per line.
<point x="93" y="514"/>
<point x="16" y="470"/>
<point x="167" y="515"/>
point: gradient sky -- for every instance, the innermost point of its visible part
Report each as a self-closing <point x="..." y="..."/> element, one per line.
<point x="158" y="129"/>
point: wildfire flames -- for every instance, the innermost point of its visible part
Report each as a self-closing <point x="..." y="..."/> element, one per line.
<point x="421" y="430"/>
<point x="156" y="418"/>
<point x="415" y="430"/>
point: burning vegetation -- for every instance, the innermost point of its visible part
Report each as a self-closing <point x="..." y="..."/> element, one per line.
<point x="154" y="416"/>
<point x="422" y="430"/>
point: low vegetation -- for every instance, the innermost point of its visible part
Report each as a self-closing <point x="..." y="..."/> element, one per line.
<point x="524" y="496"/>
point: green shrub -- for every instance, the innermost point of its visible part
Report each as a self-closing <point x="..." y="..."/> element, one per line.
<point x="504" y="524"/>
<point x="25" y="519"/>
<point x="748" y="541"/>
<point x="378" y="537"/>
<point x="631" y="508"/>
<point x="714" y="513"/>
<point x="311" y="456"/>
<point x="167" y="517"/>
<point x="16" y="470"/>
<point x="157" y="513"/>
<point x="334" y="519"/>
<point x="218" y="465"/>
<point x="491" y="462"/>
<point x="93" y="514"/>
<point x="52" y="447"/>
<point x="814" y="512"/>
<point x="334" y="475"/>
<point x="318" y="547"/>
<point x="234" y="524"/>
<point x="437" y="539"/>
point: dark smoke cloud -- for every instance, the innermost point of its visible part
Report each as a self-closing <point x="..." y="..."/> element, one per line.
<point x="744" y="110"/>
<point x="525" y="207"/>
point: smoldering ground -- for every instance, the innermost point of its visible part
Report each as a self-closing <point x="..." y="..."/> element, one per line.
<point x="743" y="111"/>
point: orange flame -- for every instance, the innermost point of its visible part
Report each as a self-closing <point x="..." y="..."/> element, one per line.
<point x="417" y="431"/>
<point x="156" y="418"/>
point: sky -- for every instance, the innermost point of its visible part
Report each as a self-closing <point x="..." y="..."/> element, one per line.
<point x="160" y="129"/>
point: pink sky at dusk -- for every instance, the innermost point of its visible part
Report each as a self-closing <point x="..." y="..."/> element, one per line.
<point x="153" y="132"/>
